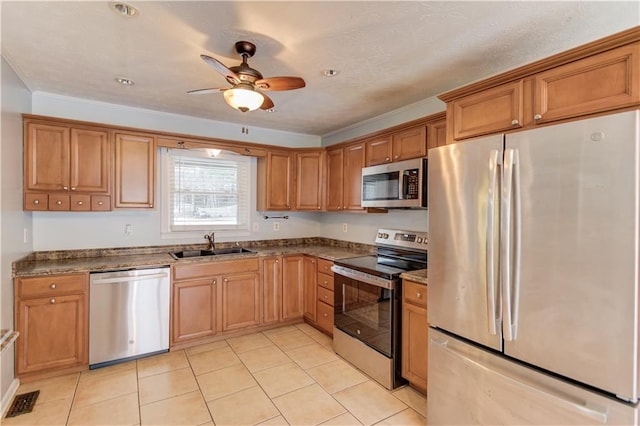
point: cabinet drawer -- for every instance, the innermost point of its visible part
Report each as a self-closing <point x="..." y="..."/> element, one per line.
<point x="59" y="202"/>
<point x="208" y="269"/>
<point x="81" y="203"/>
<point x="100" y="203"/>
<point x="36" y="202"/>
<point x="325" y="317"/>
<point x="325" y="295"/>
<point x="324" y="266"/>
<point x="414" y="293"/>
<point x="51" y="285"/>
<point x="325" y="281"/>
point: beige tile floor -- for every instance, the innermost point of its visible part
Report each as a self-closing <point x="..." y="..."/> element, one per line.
<point x="284" y="376"/>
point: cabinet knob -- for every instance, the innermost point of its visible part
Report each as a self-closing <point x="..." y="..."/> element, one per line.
<point x="100" y="203"/>
<point x="66" y="188"/>
<point x="313" y="261"/>
<point x="52" y="286"/>
<point x="73" y="188"/>
<point x="325" y="315"/>
<point x="80" y="203"/>
<point x="225" y="280"/>
<point x="326" y="297"/>
<point x="339" y="208"/>
<point x="36" y="201"/>
<point x="214" y="281"/>
<point x="276" y="261"/>
<point x="515" y="122"/>
<point x="396" y="157"/>
<point x="59" y="202"/>
<point x="151" y="205"/>
<point x="326" y="282"/>
<point x="52" y="301"/>
<point x="418" y="295"/>
<point x="537" y="117"/>
<point x="386" y="159"/>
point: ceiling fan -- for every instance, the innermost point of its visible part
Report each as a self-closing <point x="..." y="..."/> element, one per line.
<point x="247" y="83"/>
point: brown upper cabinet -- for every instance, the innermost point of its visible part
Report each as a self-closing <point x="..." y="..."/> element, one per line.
<point x="344" y="177"/>
<point x="135" y="170"/>
<point x="310" y="180"/>
<point x="599" y="77"/>
<point x="401" y="145"/>
<point x="65" y="166"/>
<point x="437" y="134"/>
<point x="275" y="181"/>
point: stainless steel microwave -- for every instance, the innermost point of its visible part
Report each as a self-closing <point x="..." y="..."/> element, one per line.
<point x="396" y="185"/>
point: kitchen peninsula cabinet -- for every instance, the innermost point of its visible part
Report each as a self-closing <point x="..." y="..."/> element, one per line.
<point x="275" y="181"/>
<point x="51" y="315"/>
<point x="135" y="176"/>
<point x="65" y="167"/>
<point x="415" y="330"/>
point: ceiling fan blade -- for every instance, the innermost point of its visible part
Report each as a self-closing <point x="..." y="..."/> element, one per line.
<point x="205" y="91"/>
<point x="280" y="83"/>
<point x="267" y="104"/>
<point x="231" y="76"/>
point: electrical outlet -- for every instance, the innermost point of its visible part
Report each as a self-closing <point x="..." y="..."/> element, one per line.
<point x="344" y="227"/>
<point x="128" y="229"/>
<point x="25" y="235"/>
<point x="276" y="226"/>
<point x="256" y="227"/>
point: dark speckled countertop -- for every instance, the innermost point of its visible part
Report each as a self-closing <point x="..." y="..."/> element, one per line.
<point x="72" y="261"/>
<point x="419" y="276"/>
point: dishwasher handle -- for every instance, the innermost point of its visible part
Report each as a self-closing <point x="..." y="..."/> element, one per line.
<point x="128" y="279"/>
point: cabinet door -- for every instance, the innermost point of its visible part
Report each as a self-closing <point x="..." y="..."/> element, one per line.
<point x="309" y="180"/>
<point x="135" y="171"/>
<point x="292" y="287"/>
<point x="378" y="150"/>
<point x="53" y="333"/>
<point x="194" y="310"/>
<point x="599" y="83"/>
<point x="410" y="143"/>
<point x="414" y="345"/>
<point x="271" y="290"/>
<point x="310" y="288"/>
<point x="353" y="164"/>
<point x="90" y="157"/>
<point x="46" y="165"/>
<point x="276" y="181"/>
<point x="240" y="301"/>
<point x="437" y="134"/>
<point x="489" y="111"/>
<point x="335" y="179"/>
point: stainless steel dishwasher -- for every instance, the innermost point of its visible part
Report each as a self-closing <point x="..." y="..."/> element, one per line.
<point x="128" y="315"/>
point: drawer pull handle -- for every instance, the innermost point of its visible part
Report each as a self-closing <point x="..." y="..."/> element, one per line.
<point x="52" y="286"/>
<point x="52" y="301"/>
<point x="36" y="201"/>
<point x="326" y="297"/>
<point x="515" y="122"/>
<point x="418" y="295"/>
<point x="386" y="159"/>
<point x="80" y="203"/>
<point x="66" y="188"/>
<point x="325" y="315"/>
<point x="537" y="117"/>
<point x="73" y="188"/>
<point x="326" y="282"/>
<point x="59" y="202"/>
<point x="100" y="203"/>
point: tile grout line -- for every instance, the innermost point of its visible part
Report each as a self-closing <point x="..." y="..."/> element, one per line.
<point x="198" y="384"/>
<point x="73" y="398"/>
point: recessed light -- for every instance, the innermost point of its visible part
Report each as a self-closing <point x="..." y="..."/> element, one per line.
<point x="124" y="9"/>
<point x="124" y="81"/>
<point x="330" y="72"/>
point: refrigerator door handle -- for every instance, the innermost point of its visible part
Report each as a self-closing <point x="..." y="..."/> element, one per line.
<point x="492" y="317"/>
<point x="583" y="407"/>
<point x="505" y="243"/>
<point x="517" y="241"/>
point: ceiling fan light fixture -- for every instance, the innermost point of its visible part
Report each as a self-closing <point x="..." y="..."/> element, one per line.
<point x="124" y="9"/>
<point x="243" y="98"/>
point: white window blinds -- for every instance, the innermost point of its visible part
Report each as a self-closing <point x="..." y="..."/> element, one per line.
<point x="208" y="193"/>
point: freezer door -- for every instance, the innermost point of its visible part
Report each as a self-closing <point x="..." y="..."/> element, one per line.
<point x="470" y="386"/>
<point x="573" y="297"/>
<point x="463" y="192"/>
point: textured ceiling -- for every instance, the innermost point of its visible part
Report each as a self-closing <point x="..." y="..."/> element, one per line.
<point x="389" y="54"/>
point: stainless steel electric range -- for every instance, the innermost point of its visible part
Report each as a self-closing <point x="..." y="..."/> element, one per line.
<point x="367" y="314"/>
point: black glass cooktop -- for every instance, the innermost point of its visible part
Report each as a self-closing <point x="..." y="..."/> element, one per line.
<point x="386" y="268"/>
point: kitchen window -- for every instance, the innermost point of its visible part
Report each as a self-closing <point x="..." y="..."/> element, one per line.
<point x="205" y="190"/>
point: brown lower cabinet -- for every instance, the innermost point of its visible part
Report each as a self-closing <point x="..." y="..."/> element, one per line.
<point x="240" y="298"/>
<point x="292" y="287"/>
<point x="51" y="315"/>
<point x="194" y="309"/>
<point x="310" y="288"/>
<point x="415" y="330"/>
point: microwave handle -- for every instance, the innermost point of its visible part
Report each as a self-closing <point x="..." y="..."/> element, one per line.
<point x="403" y="186"/>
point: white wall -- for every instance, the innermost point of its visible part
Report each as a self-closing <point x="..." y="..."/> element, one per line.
<point x="16" y="99"/>
<point x="101" y="112"/>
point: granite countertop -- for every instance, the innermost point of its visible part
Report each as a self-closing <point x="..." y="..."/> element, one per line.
<point x="419" y="276"/>
<point x="77" y="261"/>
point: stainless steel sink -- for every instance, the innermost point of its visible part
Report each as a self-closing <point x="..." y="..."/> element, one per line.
<point x="187" y="254"/>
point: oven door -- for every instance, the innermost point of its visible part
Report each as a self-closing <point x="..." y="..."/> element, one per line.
<point x="367" y="312"/>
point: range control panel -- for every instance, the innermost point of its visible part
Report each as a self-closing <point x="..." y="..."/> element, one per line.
<point x="401" y="238"/>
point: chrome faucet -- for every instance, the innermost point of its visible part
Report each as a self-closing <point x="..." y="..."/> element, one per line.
<point x="211" y="239"/>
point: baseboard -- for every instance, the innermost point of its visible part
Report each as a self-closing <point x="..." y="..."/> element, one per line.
<point x="8" y="396"/>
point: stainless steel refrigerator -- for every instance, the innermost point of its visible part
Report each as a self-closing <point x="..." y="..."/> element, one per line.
<point x="533" y="276"/>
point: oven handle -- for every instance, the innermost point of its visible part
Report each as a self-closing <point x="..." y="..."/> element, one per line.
<point x="363" y="277"/>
